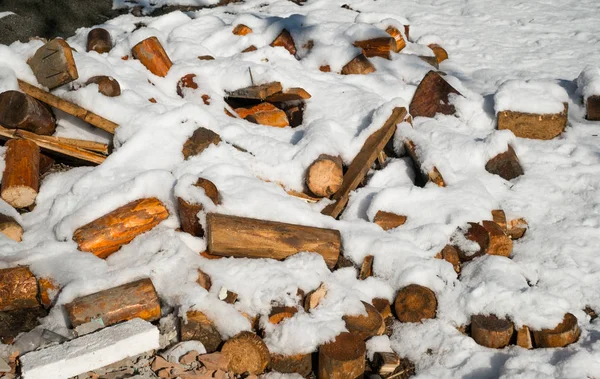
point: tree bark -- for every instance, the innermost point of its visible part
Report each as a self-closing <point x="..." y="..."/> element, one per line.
<point x="107" y="85"/>
<point x="415" y="303"/>
<point x="365" y="326"/>
<point x="200" y="140"/>
<point x="21" y="111"/>
<point x="300" y="364"/>
<point x="343" y="358"/>
<point x="20" y="182"/>
<point x="477" y="234"/>
<point x="505" y="165"/>
<point x="325" y="175"/>
<point x="153" y="56"/>
<point x="564" y="334"/>
<point x="366" y="269"/>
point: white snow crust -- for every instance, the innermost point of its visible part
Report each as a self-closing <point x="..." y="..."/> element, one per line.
<point x="588" y="82"/>
<point x="532" y="96"/>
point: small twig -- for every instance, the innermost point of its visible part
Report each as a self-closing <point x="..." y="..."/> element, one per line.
<point x="251" y="78"/>
<point x="397" y="374"/>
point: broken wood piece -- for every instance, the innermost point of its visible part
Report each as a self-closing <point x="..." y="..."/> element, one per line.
<point x="48" y="291"/>
<point x="200" y="140"/>
<point x="377" y="47"/>
<point x="256" y="92"/>
<point x="300" y="364"/>
<point x="264" y="114"/>
<point x="128" y="301"/>
<point x="499" y="217"/>
<point x="516" y="228"/>
<point x="388" y="220"/>
<point x="153" y="56"/>
<point x="415" y="303"/>
<point x="246" y="353"/>
<point x="227" y="296"/>
<point x="359" y="65"/>
<point x="399" y="42"/>
<point x="383" y="307"/>
<point x="107" y="85"/>
<point x="562" y="335"/>
<point x="342" y="358"/>
<point x="500" y="242"/>
<point x="424" y="175"/>
<point x="290" y="94"/>
<point x="18" y="289"/>
<point x="199" y="327"/>
<point x="366" y="269"/>
<point x="188" y="211"/>
<point x="325" y="175"/>
<point x="491" y="331"/>
<point x="440" y="53"/>
<point x="592" y="105"/>
<point x="475" y="233"/>
<point x="204" y="280"/>
<point x="53" y="64"/>
<point x="214" y="361"/>
<point x="524" y="338"/>
<point x="450" y="254"/>
<point x="10" y="228"/>
<point x="313" y="298"/>
<point x="365" y="326"/>
<point x="105" y="235"/>
<point x="241" y="30"/>
<point x="99" y="40"/>
<point x="534" y="126"/>
<point x="385" y="363"/>
<point x="433" y="96"/>
<point x="505" y="165"/>
<point x="241" y="237"/>
<point x="278" y="314"/>
<point x="363" y="161"/>
<point x="21" y="111"/>
<point x="285" y="40"/>
<point x="21" y="178"/>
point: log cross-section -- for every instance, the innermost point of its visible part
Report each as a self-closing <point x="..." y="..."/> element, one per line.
<point x="53" y="64"/>
<point x="343" y="358"/>
<point x="18" y="289"/>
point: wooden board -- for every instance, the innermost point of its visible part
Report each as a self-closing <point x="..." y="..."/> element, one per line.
<point x="53" y="64"/>
<point x="290" y="94"/>
<point x="257" y="92"/>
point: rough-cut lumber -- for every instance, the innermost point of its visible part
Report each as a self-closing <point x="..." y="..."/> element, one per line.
<point x="99" y="40"/>
<point x="491" y="331"/>
<point x="10" y="228"/>
<point x="399" y="42"/>
<point x="97" y="147"/>
<point x="562" y="335"/>
<point x="20" y="182"/>
<point x="359" y="65"/>
<point x="313" y="298"/>
<point x="388" y="220"/>
<point x="246" y="353"/>
<point x="363" y="161"/>
<point x="200" y="140"/>
<point x="250" y="238"/>
<point x="477" y="234"/>
<point x="48" y="291"/>
<point x="153" y="56"/>
<point x="432" y="96"/>
<point x="534" y="126"/>
<point x="292" y="364"/>
<point x="21" y="111"/>
<point x="450" y="254"/>
<point x="366" y="269"/>
<point x="285" y="40"/>
<point x="432" y="175"/>
<point x="122" y="303"/>
<point x="524" y="338"/>
<point x="385" y="363"/>
<point x="256" y="92"/>
<point x="414" y="303"/>
<point x="377" y="47"/>
<point x="107" y="234"/>
<point x="440" y="53"/>
<point x="325" y="175"/>
<point x="107" y="85"/>
<point x="264" y="114"/>
<point x="200" y="328"/>
<point x="18" y="289"/>
<point x="499" y="217"/>
<point x="68" y="107"/>
<point x="290" y="94"/>
<point x="505" y="165"/>
<point x="342" y="358"/>
<point x="365" y="326"/>
<point x="53" y="64"/>
<point x="516" y="228"/>
<point x="188" y="211"/>
<point x="593" y="108"/>
<point x="18" y="321"/>
<point x="204" y="280"/>
<point x="241" y="30"/>
<point x="278" y="314"/>
<point x="500" y="242"/>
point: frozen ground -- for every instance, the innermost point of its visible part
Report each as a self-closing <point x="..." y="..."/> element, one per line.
<point x="554" y="269"/>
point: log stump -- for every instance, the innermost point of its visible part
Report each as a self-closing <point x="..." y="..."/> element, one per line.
<point x="475" y="233"/>
<point x="18" y="289"/>
<point x="153" y="56"/>
<point x="99" y="40"/>
<point x="564" y="334"/>
<point x="11" y="228"/>
<point x="300" y="364"/>
<point x="200" y="140"/>
<point x="500" y="242"/>
<point x="389" y="220"/>
<point x="53" y="64"/>
<point x="433" y="96"/>
<point x="21" y="111"/>
<point x="200" y="328"/>
<point x="188" y="211"/>
<point x="365" y="326"/>
<point x="343" y="358"/>
<point x="359" y="65"/>
<point x="107" y="85"/>
<point x="415" y="303"/>
<point x="491" y="331"/>
<point x="246" y="353"/>
<point x="325" y="175"/>
<point x="534" y="126"/>
<point x="505" y="165"/>
<point x="21" y="178"/>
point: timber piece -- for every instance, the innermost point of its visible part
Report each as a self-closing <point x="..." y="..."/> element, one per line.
<point x="285" y="40"/>
<point x="107" y="85"/>
<point x="45" y="164"/>
<point x="359" y="65"/>
<point x="475" y="233"/>
<point x="491" y="331"/>
<point x="99" y="40"/>
<point x="265" y="114"/>
<point x="200" y="140"/>
<point x="246" y="353"/>
<point x="128" y="301"/>
<point x="188" y="211"/>
<point x="377" y="47"/>
<point x="388" y="220"/>
<point x="300" y="364"/>
<point x="505" y="165"/>
<point x="53" y="64"/>
<point x="440" y="53"/>
<point x="399" y="42"/>
<point x="105" y="235"/>
<point x="186" y="81"/>
<point x="363" y="161"/>
<point x="534" y="126"/>
<point x="325" y="175"/>
<point x="18" y="289"/>
<point x="21" y="111"/>
<point x="295" y="114"/>
<point x="424" y="176"/>
<point x="431" y="60"/>
<point x="17" y="321"/>
<point x="199" y="327"/>
<point x="227" y="296"/>
<point x="153" y="56"/>
<point x="11" y="228"/>
<point x="290" y="94"/>
<point x="68" y="107"/>
<point x="516" y="228"/>
<point x="342" y="358"/>
<point x="562" y="335"/>
<point x="366" y="269"/>
<point x="524" y="338"/>
<point x="383" y="307"/>
<point x="415" y="303"/>
<point x="241" y="237"/>
<point x="21" y="178"/>
<point x="499" y="217"/>
<point x="280" y="313"/>
<point x="432" y="96"/>
<point x="256" y="92"/>
<point x="325" y="68"/>
<point x="48" y="291"/>
<point x="592" y="105"/>
<point x="385" y="363"/>
<point x="500" y="242"/>
<point x="450" y="254"/>
<point x="249" y="49"/>
<point x="313" y="298"/>
<point x="241" y="30"/>
<point x="365" y="326"/>
<point x="204" y="280"/>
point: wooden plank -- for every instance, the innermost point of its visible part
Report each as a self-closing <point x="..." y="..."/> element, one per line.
<point x="258" y="92"/>
<point x="291" y="94"/>
<point x="53" y="64"/>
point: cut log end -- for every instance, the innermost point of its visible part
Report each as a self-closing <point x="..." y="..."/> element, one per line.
<point x="565" y="333"/>
<point x="389" y="220"/>
<point x="450" y="254"/>
<point x="10" y="228"/>
<point x="415" y="303"/>
<point x="342" y="358"/>
<point x="399" y="42"/>
<point x="278" y="314"/>
<point x="241" y="30"/>
<point x="593" y="108"/>
<point x="153" y="56"/>
<point x="491" y="331"/>
<point x="246" y="353"/>
<point x="285" y="40"/>
<point x="505" y="165"/>
<point x="325" y="176"/>
<point x="365" y="326"/>
<point x="432" y="96"/>
<point x="440" y="53"/>
<point x="359" y="65"/>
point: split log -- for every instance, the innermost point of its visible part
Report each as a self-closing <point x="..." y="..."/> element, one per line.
<point x="97" y="147"/>
<point x="278" y="314"/>
<point x="377" y="47"/>
<point x="21" y="111"/>
<point x="363" y="161"/>
<point x="431" y="60"/>
<point x="500" y="243"/>
<point x="359" y="65"/>
<point x="475" y="233"/>
<point x="107" y="85"/>
<point x="491" y="331"/>
<point x="153" y="56"/>
<point x="343" y="358"/>
<point x="264" y="114"/>
<point x="227" y="296"/>
<point x="432" y="96"/>
<point x="20" y="182"/>
<point x="415" y="303"/>
<point x="388" y="220"/>
<point x="122" y="303"/>
<point x="524" y="338"/>
<point x="256" y="92"/>
<point x="365" y="326"/>
<point x="425" y="176"/>
<point x="204" y="280"/>
<point x="366" y="269"/>
<point x="241" y="30"/>
<point x="48" y="291"/>
<point x="300" y="364"/>
<point x="99" y="40"/>
<point x="18" y="289"/>
<point x="399" y="42"/>
<point x="53" y="64"/>
<point x="440" y="53"/>
<point x="233" y="236"/>
<point x="534" y="126"/>
<point x="505" y="165"/>
<point x="249" y="49"/>
<point x="10" y="228"/>
<point x="285" y="40"/>
<point x="200" y="140"/>
<point x="325" y="175"/>
<point x="313" y="298"/>
<point x="290" y="94"/>
<point x="186" y="81"/>
<point x="188" y="211"/>
<point x="593" y="108"/>
<point x="383" y="307"/>
<point x="385" y="363"/>
<point x="200" y="328"/>
<point x="450" y="254"/>
<point x="499" y="217"/>
<point x="516" y="228"/>
<point x="107" y="234"/>
<point x="247" y="353"/>
<point x="564" y="334"/>
<point x="407" y="31"/>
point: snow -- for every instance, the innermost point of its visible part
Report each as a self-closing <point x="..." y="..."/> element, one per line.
<point x="531" y="96"/>
<point x="588" y="82"/>
<point x="4" y="14"/>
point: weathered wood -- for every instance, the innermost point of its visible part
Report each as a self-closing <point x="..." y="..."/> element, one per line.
<point x="20" y="181"/>
<point x="18" y="289"/>
<point x="425" y="176"/>
<point x="250" y="238"/>
<point x="366" y="269"/>
<point x="505" y="165"/>
<point x="562" y="335"/>
<point x="399" y="42"/>
<point x="593" y="108"/>
<point x="10" y="228"/>
<point x="280" y="313"/>
<point x="500" y="242"/>
<point x="53" y="64"/>
<point x="491" y="331"/>
<point x="105" y="235"/>
<point x="264" y="114"/>
<point x="246" y="353"/>
<point x="256" y="92"/>
<point x="204" y="280"/>
<point x="450" y="254"/>
<point x="440" y="53"/>
<point x="383" y="307"/>
<point x="21" y="111"/>
<point x="524" y="338"/>
<point x="200" y="140"/>
<point x="325" y="175"/>
<point x="285" y="40"/>
<point x="200" y="328"/>
<point x="365" y="326"/>
<point x="499" y="217"/>
<point x="111" y="306"/>
<point x="342" y="358"/>
<point x="385" y="363"/>
<point x="363" y="161"/>
<point x="377" y="47"/>
<point x="359" y="65"/>
<point x="475" y="233"/>
<point x="414" y="303"/>
<point x="313" y="298"/>
<point x="432" y="96"/>
<point x="48" y="291"/>
<point x="188" y="211"/>
<point x="388" y="220"/>
<point x="292" y="364"/>
<point x="290" y="94"/>
<point x="99" y="40"/>
<point x="107" y="85"/>
<point x="516" y="228"/>
<point x="153" y="56"/>
<point x="241" y="30"/>
<point x="534" y="126"/>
